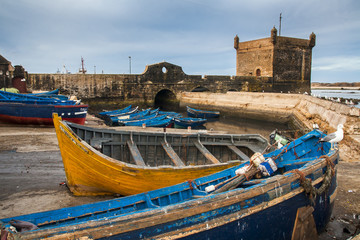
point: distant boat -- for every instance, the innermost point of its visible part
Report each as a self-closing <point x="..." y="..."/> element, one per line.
<point x="35" y="110"/>
<point x="126" y="110"/>
<point x="197" y="113"/>
<point x="33" y="99"/>
<point x="106" y="161"/>
<point x="189" y="122"/>
<point x="293" y="198"/>
<point x="51" y="94"/>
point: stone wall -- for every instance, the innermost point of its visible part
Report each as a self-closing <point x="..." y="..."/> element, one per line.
<point x="303" y="109"/>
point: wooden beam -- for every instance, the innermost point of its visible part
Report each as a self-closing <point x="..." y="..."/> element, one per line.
<point x="238" y="152"/>
<point x="135" y="153"/>
<point x="172" y="154"/>
<point x="206" y="152"/>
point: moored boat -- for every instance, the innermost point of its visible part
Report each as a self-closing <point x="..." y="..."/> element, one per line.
<point x="34" y="110"/>
<point x="198" y="113"/>
<point x="189" y="122"/>
<point x="51" y="94"/>
<point x="294" y="201"/>
<point x="125" y="110"/>
<point x="130" y="162"/>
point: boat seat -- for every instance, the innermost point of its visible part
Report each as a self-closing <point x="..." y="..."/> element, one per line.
<point x="238" y="152"/>
<point x="208" y="155"/>
<point x="172" y="154"/>
<point x="135" y="153"/>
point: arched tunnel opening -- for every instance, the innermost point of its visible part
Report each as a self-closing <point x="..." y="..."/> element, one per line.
<point x="200" y="89"/>
<point x="166" y="100"/>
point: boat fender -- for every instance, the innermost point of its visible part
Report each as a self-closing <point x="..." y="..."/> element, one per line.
<point x="268" y="167"/>
<point x="210" y="188"/>
<point x="256" y="159"/>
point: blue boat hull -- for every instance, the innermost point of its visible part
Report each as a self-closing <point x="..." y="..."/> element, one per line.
<point x="40" y="114"/>
<point x="275" y="222"/>
<point x="197" y="113"/>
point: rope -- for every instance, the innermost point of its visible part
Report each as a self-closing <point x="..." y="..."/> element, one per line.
<point x="306" y="183"/>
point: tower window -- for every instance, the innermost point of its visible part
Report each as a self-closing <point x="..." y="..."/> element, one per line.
<point x="258" y="72"/>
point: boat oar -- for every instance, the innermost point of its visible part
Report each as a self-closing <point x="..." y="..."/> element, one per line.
<point x="238" y="179"/>
<point x="258" y="164"/>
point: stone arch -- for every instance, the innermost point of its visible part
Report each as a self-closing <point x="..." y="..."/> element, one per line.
<point x="200" y="89"/>
<point x="166" y="99"/>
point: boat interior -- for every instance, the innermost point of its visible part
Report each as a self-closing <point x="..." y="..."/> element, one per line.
<point x="170" y="149"/>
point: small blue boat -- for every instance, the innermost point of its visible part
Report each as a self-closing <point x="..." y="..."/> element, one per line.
<point x="297" y="191"/>
<point x="197" y="113"/>
<point x="158" y="121"/>
<point x="138" y="118"/>
<point x="170" y="114"/>
<point x="114" y="120"/>
<point x="51" y="94"/>
<point x="126" y="110"/>
<point x="189" y="122"/>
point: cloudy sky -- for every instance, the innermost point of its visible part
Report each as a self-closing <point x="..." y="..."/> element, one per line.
<point x="43" y="35"/>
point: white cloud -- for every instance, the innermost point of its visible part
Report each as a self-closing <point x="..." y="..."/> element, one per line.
<point x="337" y="63"/>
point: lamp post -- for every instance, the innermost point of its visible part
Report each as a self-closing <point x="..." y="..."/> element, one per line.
<point x="2" y="74"/>
<point x="130" y="64"/>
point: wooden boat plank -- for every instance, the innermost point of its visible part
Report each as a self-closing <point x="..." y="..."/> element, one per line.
<point x="135" y="153"/>
<point x="238" y="152"/>
<point x="172" y="154"/>
<point x="206" y="152"/>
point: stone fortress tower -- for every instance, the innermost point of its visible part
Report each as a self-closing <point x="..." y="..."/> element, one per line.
<point x="287" y="61"/>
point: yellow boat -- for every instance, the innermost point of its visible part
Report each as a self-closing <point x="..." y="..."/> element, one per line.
<point x="107" y="161"/>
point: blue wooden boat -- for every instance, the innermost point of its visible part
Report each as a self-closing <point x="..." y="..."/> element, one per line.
<point x="123" y="122"/>
<point x="126" y="110"/>
<point x="51" y="94"/>
<point x="114" y="120"/>
<point x="197" y="113"/>
<point x="40" y="114"/>
<point x="23" y="109"/>
<point x="31" y="99"/>
<point x="189" y="122"/>
<point x="170" y="114"/>
<point x="299" y="194"/>
<point x="158" y="121"/>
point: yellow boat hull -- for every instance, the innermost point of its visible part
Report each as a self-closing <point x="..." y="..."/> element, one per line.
<point x="89" y="172"/>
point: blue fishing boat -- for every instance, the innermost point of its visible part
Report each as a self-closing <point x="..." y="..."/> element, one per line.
<point x="126" y="110"/>
<point x="189" y="122"/>
<point x="197" y="113"/>
<point x="51" y="94"/>
<point x="296" y="193"/>
<point x="170" y="114"/>
<point x="32" y="99"/>
<point x="158" y="121"/>
<point x="23" y="109"/>
<point x="123" y="122"/>
<point x="114" y="120"/>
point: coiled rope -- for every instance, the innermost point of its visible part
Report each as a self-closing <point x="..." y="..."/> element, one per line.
<point x="306" y="183"/>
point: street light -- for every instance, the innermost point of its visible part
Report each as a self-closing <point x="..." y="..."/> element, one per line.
<point x="130" y="64"/>
<point x="2" y="74"/>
